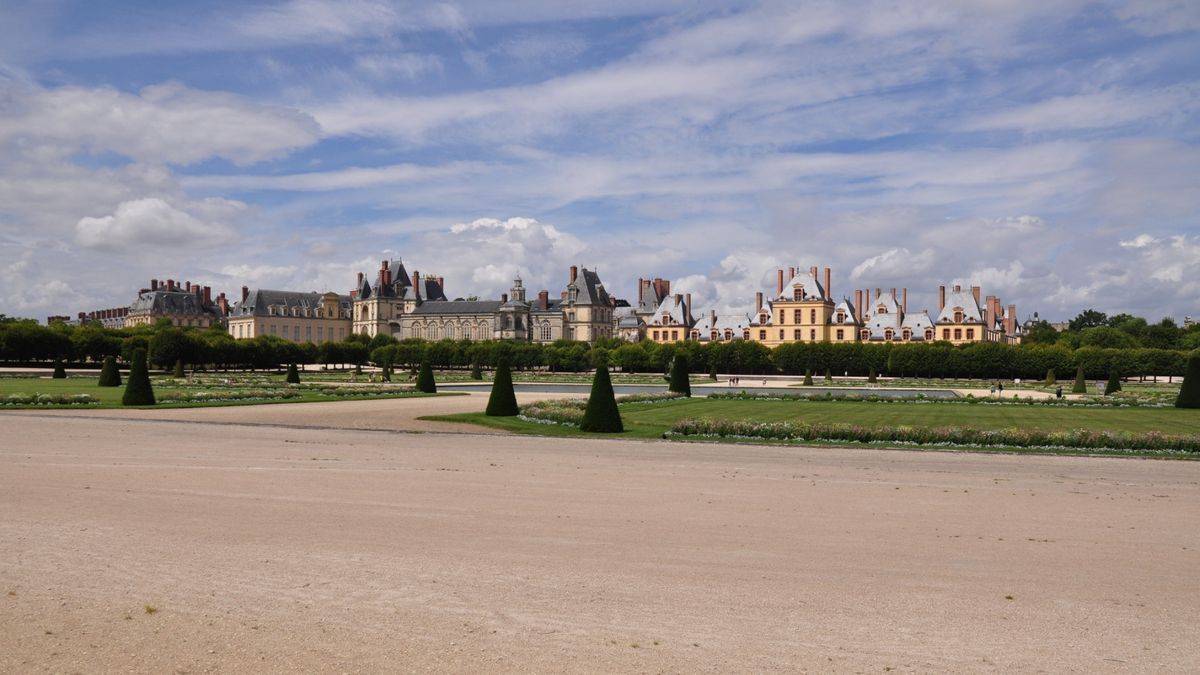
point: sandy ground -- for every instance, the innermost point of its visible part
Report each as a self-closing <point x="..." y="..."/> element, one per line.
<point x="311" y="548"/>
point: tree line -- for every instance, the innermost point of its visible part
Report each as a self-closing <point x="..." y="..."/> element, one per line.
<point x="215" y="349"/>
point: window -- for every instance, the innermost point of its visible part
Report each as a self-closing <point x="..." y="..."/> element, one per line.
<point x="887" y="334"/>
<point x="865" y="334"/>
<point x="928" y="333"/>
<point x="812" y="335"/>
<point x="780" y="333"/>
<point x="798" y="294"/>
<point x="957" y="333"/>
<point x="841" y="317"/>
<point x="841" y="334"/>
<point x="782" y="318"/>
<point x="762" y="335"/>
<point x="796" y="334"/>
<point x="796" y="315"/>
<point x="945" y="333"/>
<point x="812" y="316"/>
<point x="970" y="333"/>
<point x="907" y="334"/>
<point x="958" y="316"/>
<point x="545" y="331"/>
<point x="655" y="335"/>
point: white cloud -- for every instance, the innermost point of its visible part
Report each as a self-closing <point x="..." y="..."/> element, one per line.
<point x="408" y="65"/>
<point x="163" y="123"/>
<point x="152" y="223"/>
<point x="894" y="263"/>
<point x="1140" y="241"/>
<point x="1097" y="110"/>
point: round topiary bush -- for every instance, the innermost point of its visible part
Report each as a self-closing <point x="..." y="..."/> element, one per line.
<point x="1189" y="392"/>
<point x="110" y="374"/>
<point x="680" y="384"/>
<point x="425" y="381"/>
<point x="293" y="375"/>
<point x="601" y="414"/>
<point x="1080" y="383"/>
<point x="137" y="389"/>
<point x="60" y="371"/>
<point x="503" y="401"/>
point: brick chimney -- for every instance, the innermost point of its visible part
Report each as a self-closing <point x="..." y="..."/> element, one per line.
<point x="758" y="301"/>
<point x="904" y="301"/>
<point x="574" y="273"/>
<point x="187" y="286"/>
<point x="975" y="292"/>
<point x="416" y="283"/>
<point x="867" y="300"/>
<point x="245" y="293"/>
<point x="779" y="291"/>
<point x="828" y="281"/>
<point x="208" y="296"/>
<point x="687" y="308"/>
<point x="544" y="299"/>
<point x="223" y="304"/>
<point x="858" y="306"/>
<point x="359" y="285"/>
<point x="170" y="284"/>
<point x="791" y="273"/>
<point x="504" y="297"/>
<point x="640" y="292"/>
<point x="894" y="298"/>
<point x="812" y="272"/>
<point x="1010" y="321"/>
<point x="941" y="298"/>
<point x="989" y="312"/>
<point x="154" y="284"/>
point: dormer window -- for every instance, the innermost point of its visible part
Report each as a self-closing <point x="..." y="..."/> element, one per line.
<point x="865" y="334"/>
<point x="958" y="315"/>
<point x="887" y="334"/>
<point x="928" y="333"/>
<point x="907" y="334"/>
<point x="798" y="293"/>
<point x="841" y="317"/>
<point x="882" y="309"/>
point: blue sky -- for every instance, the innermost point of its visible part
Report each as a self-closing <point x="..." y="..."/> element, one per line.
<point x="1045" y="150"/>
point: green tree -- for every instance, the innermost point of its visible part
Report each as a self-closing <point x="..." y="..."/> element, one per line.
<point x="138" y="390"/>
<point x="1088" y="318"/>
<point x="871" y="377"/>
<point x="680" y="382"/>
<point x="425" y="381"/>
<point x="1080" y="383"/>
<point x="110" y="374"/>
<point x="293" y="375"/>
<point x="1189" y="393"/>
<point x="503" y="400"/>
<point x="601" y="414"/>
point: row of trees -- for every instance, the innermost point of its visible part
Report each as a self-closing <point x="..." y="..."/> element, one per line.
<point x="1092" y="328"/>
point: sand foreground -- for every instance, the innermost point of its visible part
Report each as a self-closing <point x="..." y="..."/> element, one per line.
<point x="290" y="548"/>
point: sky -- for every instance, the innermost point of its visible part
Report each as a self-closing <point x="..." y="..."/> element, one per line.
<point x="1046" y="150"/>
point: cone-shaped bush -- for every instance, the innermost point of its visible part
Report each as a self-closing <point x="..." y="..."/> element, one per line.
<point x="1114" y="383"/>
<point x="1051" y="378"/>
<point x="712" y="370"/>
<point x="680" y="384"/>
<point x="60" y="372"/>
<point x="385" y="372"/>
<point x="503" y="401"/>
<point x="137" y="389"/>
<point x="871" y="377"/>
<point x="828" y="375"/>
<point x="808" y="378"/>
<point x="178" y="372"/>
<point x="1189" y="393"/>
<point x="425" y="381"/>
<point x="1080" y="383"/>
<point x="110" y="374"/>
<point x="477" y="372"/>
<point x="293" y="375"/>
<point x="602" y="415"/>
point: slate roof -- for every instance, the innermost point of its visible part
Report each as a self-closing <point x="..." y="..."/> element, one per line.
<point x="442" y="307"/>
<point x="735" y="323"/>
<point x="591" y="289"/>
<point x="813" y="290"/>
<point x="259" y="302"/>
<point x="673" y="306"/>
<point x="963" y="298"/>
<point x="170" y="303"/>
<point x="401" y="286"/>
<point x="847" y="308"/>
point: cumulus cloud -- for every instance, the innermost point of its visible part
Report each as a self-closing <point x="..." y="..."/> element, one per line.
<point x="153" y="223"/>
<point x="894" y="263"/>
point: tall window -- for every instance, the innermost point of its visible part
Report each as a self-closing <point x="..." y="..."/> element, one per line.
<point x="762" y="335"/>
<point x="970" y="333"/>
<point x="796" y="334"/>
<point x="798" y="294"/>
<point x="957" y="333"/>
<point x="840" y="334"/>
<point x="545" y="331"/>
<point x="812" y="316"/>
<point x="796" y="315"/>
<point x="812" y="335"/>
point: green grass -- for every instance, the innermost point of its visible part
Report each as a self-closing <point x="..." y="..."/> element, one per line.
<point x="651" y="420"/>
<point x="110" y="397"/>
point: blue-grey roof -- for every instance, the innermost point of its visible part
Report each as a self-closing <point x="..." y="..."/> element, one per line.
<point x="442" y="307"/>
<point x="170" y="302"/>
<point x="260" y="301"/>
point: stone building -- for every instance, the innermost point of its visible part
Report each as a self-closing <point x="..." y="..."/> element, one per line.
<point x="185" y="304"/>
<point x="800" y="311"/>
<point x="712" y="327"/>
<point x="379" y="306"/>
<point x="632" y="320"/>
<point x="291" y="315"/>
<point x="961" y="318"/>
<point x="672" y="320"/>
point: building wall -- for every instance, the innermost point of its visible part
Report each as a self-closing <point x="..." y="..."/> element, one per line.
<point x="176" y="320"/>
<point x="292" y="328"/>
<point x="796" y="321"/>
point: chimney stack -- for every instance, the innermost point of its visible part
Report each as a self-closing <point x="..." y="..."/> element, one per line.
<point x="812" y="272"/>
<point x="779" y="291"/>
<point x="687" y="308"/>
<point x="207" y="296"/>
<point x="758" y="301"/>
<point x="867" y="300"/>
<point x="504" y="297"/>
<point x="975" y="292"/>
<point x="359" y="285"/>
<point x="791" y="273"/>
<point x="957" y="288"/>
<point x="641" y="294"/>
<point x="989" y="312"/>
<point x="154" y="284"/>
<point x="416" y="283"/>
<point x="941" y="298"/>
<point x="828" y="281"/>
<point x="574" y="273"/>
<point x="894" y="298"/>
<point x="245" y="293"/>
<point x="441" y="282"/>
<point x="544" y="300"/>
<point x="858" y="306"/>
<point x="170" y="284"/>
<point x="904" y="302"/>
<point x="187" y="286"/>
<point x="1010" y="324"/>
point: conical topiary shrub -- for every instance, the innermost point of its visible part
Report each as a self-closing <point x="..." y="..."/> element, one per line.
<point x="712" y="370"/>
<point x="1114" y="383"/>
<point x="1189" y="392"/>
<point x="110" y="374"/>
<point x="1080" y="383"/>
<point x="178" y="372"/>
<point x="503" y="401"/>
<point x="137" y="389"/>
<point x="601" y="414"/>
<point x="828" y="375"/>
<point x="1051" y="378"/>
<point x="477" y="372"/>
<point x="680" y="384"/>
<point x="425" y="381"/>
<point x="871" y="377"/>
<point x="808" y="378"/>
<point x="60" y="371"/>
<point x="385" y="372"/>
<point x="293" y="375"/>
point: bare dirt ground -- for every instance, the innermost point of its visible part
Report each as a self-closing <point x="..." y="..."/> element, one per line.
<point x="304" y="547"/>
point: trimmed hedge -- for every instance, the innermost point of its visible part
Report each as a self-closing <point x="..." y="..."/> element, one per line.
<point x="503" y="400"/>
<point x="602" y="415"/>
<point x="680" y="384"/>
<point x="1080" y="383"/>
<point x="138" y="390"/>
<point x="110" y="374"/>
<point x="1189" y="393"/>
<point x="1113" y="385"/>
<point x="425" y="381"/>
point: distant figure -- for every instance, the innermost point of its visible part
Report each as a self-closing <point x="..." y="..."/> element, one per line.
<point x="764" y="381"/>
<point x="1058" y="392"/>
<point x="1000" y="387"/>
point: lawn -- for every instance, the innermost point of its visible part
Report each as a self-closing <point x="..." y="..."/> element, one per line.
<point x="651" y="420"/>
<point x="109" y="397"/>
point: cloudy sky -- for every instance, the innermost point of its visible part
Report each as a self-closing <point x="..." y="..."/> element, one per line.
<point x="1049" y="151"/>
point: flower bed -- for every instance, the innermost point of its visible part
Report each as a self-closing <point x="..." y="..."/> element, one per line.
<point x="213" y="396"/>
<point x="1115" y="401"/>
<point x="569" y="412"/>
<point x="1072" y="439"/>
<point x="47" y="399"/>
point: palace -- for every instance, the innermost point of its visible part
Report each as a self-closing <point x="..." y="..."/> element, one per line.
<point x="291" y="315"/>
<point x="184" y="304"/>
